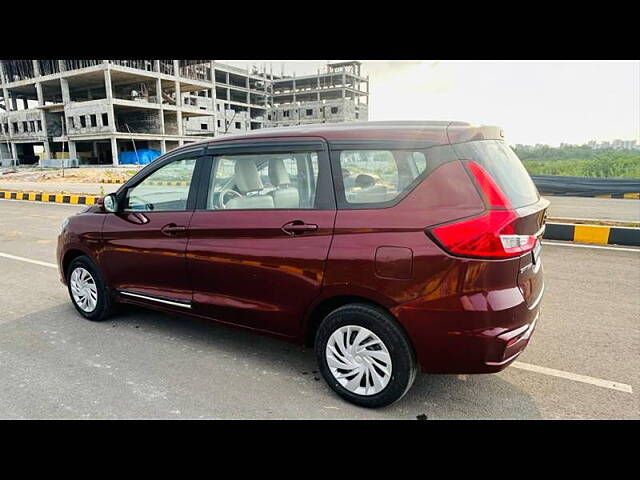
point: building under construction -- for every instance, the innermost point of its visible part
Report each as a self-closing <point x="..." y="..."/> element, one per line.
<point x="92" y="111"/>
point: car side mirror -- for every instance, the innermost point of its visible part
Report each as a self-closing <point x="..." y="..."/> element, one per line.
<point x="110" y="203"/>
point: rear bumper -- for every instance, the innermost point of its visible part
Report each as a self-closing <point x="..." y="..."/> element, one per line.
<point x="487" y="331"/>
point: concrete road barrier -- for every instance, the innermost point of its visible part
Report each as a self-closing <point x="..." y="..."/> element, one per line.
<point x="598" y="234"/>
<point x="50" y="197"/>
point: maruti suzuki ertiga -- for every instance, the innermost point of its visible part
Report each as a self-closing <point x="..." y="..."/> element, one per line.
<point x="389" y="246"/>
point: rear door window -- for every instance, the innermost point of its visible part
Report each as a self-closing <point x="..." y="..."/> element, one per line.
<point x="504" y="166"/>
<point x="264" y="181"/>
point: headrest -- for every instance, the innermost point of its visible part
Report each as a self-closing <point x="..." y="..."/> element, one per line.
<point x="363" y="181"/>
<point x="247" y="177"/>
<point x="278" y="173"/>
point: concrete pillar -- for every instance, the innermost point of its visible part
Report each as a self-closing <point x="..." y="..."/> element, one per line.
<point x="64" y="86"/>
<point x="178" y="94"/>
<point x="367" y="96"/>
<point x="159" y="91"/>
<point x="72" y="150"/>
<point x="61" y="65"/>
<point x="39" y="93"/>
<point x="156" y="66"/>
<point x="163" y="146"/>
<point x="14" y="151"/>
<point x="47" y="151"/>
<point x="43" y="120"/>
<point x="176" y="73"/>
<point x="179" y="121"/>
<point x="114" y="151"/>
<point x="293" y="88"/>
<point x="213" y="98"/>
<point x="7" y="99"/>
<point x="111" y="116"/>
<point x="344" y="81"/>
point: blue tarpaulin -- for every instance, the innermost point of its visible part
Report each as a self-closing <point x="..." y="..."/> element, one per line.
<point x="143" y="157"/>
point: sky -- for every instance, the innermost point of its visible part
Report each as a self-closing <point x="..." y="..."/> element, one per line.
<point x="546" y="102"/>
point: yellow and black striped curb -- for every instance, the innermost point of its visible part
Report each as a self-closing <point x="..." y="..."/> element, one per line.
<point x="634" y="196"/>
<point x="50" y="197"/>
<point x="172" y="184"/>
<point x="112" y="180"/>
<point x="599" y="234"/>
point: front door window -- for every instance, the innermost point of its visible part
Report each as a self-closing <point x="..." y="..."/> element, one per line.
<point x="166" y="189"/>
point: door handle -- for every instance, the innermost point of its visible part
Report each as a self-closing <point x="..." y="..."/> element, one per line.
<point x="298" y="227"/>
<point x="171" y="229"/>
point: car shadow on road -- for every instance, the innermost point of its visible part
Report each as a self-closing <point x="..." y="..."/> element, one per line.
<point x="436" y="396"/>
<point x="432" y="396"/>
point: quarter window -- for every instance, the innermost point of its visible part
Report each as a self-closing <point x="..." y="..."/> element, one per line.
<point x="166" y="189"/>
<point x="381" y="176"/>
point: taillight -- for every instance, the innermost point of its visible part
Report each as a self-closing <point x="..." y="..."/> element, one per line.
<point x="491" y="235"/>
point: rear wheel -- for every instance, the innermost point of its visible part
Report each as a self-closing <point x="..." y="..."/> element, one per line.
<point x="87" y="290"/>
<point x="365" y="356"/>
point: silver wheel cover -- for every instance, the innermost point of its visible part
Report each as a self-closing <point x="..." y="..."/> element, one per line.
<point x="358" y="360"/>
<point x="84" y="290"/>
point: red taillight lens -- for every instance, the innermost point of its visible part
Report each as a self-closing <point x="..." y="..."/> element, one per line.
<point x="490" y="236"/>
<point x="494" y="195"/>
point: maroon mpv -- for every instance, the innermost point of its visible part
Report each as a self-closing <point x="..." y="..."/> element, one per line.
<point x="388" y="245"/>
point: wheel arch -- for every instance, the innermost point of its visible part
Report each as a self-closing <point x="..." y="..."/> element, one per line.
<point x="327" y="304"/>
<point x="70" y="255"/>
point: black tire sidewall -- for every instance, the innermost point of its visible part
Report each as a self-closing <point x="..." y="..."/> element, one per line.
<point x="103" y="307"/>
<point x="385" y="327"/>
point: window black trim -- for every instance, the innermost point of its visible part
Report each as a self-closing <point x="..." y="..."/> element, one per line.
<point x="325" y="195"/>
<point x="266" y="146"/>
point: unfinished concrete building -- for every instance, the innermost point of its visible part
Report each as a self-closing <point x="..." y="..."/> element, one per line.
<point x="338" y="94"/>
<point x="91" y="111"/>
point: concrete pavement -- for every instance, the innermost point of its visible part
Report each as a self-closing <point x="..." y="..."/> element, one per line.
<point x="144" y="364"/>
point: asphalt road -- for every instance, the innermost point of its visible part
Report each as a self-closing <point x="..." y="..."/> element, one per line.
<point x="594" y="208"/>
<point x="143" y="364"/>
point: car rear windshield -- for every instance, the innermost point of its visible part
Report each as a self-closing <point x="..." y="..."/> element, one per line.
<point x="505" y="168"/>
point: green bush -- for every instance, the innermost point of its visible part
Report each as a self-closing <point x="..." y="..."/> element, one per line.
<point x="581" y="162"/>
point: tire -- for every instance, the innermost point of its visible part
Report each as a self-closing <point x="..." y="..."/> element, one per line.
<point x="370" y="329"/>
<point x="88" y="275"/>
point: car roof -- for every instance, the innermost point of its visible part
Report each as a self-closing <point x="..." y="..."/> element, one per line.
<point x="432" y="132"/>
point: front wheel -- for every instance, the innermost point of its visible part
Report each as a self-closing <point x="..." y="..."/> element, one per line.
<point x="87" y="290"/>
<point x="365" y="356"/>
